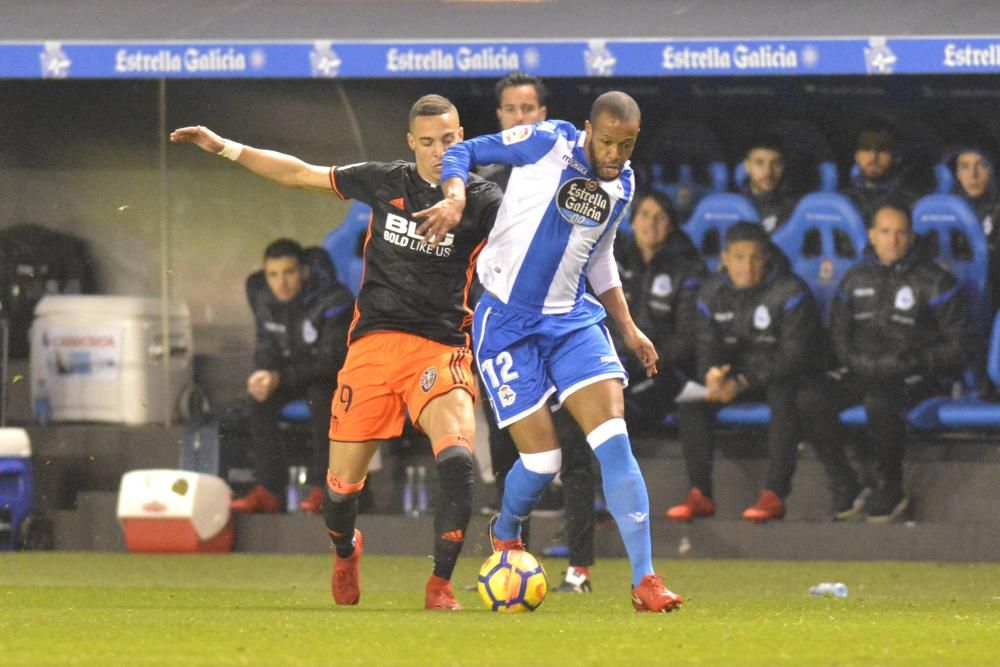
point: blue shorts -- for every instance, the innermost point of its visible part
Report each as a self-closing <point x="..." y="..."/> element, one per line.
<point x="524" y="358"/>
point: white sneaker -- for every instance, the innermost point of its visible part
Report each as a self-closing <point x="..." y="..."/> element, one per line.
<point x="577" y="581"/>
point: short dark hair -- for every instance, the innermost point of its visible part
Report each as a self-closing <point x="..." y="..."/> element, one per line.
<point x="616" y="104"/>
<point x="285" y="248"/>
<point x="515" y="79"/>
<point x="662" y="200"/>
<point x="431" y="105"/>
<point x="895" y="204"/>
<point x="877" y="134"/>
<point x="748" y="231"/>
<point x="767" y="141"/>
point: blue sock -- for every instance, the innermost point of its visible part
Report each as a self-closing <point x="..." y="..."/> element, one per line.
<point x="625" y="492"/>
<point x="521" y="491"/>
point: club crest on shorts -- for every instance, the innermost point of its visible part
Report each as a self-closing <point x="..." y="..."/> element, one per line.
<point x="428" y="379"/>
<point x="507" y="395"/>
<point x="904" y="298"/>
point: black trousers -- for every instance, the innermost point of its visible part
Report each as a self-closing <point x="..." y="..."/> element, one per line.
<point x="271" y="454"/>
<point x="577" y="474"/>
<point x="886" y="403"/>
<point x="695" y="423"/>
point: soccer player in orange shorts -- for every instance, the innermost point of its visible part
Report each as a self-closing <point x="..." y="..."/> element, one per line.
<point x="408" y="346"/>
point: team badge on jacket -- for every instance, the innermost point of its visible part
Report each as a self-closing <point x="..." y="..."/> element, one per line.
<point x="761" y="318"/>
<point x="428" y="379"/>
<point x="309" y="333"/>
<point x="904" y="298"/>
<point x="662" y="285"/>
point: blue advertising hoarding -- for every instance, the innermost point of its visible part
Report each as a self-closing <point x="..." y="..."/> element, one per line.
<point x="570" y="58"/>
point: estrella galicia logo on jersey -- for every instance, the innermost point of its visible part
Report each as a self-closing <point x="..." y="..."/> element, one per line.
<point x="428" y="379"/>
<point x="904" y="298"/>
<point x="581" y="201"/>
<point x="403" y="233"/>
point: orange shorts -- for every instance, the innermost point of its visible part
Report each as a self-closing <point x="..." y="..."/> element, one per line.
<point x="388" y="374"/>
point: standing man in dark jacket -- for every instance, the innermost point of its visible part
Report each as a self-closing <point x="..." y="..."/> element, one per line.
<point x="901" y="328"/>
<point x="661" y="274"/>
<point x="758" y="336"/>
<point x="302" y="316"/>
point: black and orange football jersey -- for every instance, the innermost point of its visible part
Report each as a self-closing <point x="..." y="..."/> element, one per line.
<point x="407" y="285"/>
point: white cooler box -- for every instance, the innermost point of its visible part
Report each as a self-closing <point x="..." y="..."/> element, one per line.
<point x="175" y="511"/>
<point x="98" y="358"/>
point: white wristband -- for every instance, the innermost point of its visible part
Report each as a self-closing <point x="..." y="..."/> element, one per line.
<point x="231" y="150"/>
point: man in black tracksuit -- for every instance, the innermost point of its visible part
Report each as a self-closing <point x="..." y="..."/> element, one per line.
<point x="902" y="330"/>
<point x="302" y="315"/>
<point x="758" y="337"/>
<point x="661" y="274"/>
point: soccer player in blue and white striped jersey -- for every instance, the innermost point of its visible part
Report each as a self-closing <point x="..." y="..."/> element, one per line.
<point x="537" y="334"/>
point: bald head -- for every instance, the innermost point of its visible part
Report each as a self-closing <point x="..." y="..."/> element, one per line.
<point x="617" y="105"/>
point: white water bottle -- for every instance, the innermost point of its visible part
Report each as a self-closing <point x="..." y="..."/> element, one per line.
<point x="423" y="495"/>
<point x="829" y="589"/>
<point x="408" y="492"/>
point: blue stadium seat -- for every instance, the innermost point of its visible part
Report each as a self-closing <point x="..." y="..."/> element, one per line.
<point x="342" y="244"/>
<point x="923" y="417"/>
<point x="973" y="412"/>
<point x="744" y="414"/>
<point x="960" y="245"/>
<point x="829" y="179"/>
<point x="822" y="239"/>
<point x="296" y="412"/>
<point x="712" y="217"/>
<point x="827" y="171"/>
<point x="943" y="178"/>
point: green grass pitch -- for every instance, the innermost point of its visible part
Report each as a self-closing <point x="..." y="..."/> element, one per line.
<point x="125" y="609"/>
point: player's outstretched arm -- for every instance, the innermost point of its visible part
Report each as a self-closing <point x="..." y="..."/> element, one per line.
<point x="286" y="170"/>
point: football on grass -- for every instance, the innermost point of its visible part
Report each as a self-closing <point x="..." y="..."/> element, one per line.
<point x="512" y="581"/>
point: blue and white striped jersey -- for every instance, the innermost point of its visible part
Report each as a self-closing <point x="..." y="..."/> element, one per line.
<point x="557" y="221"/>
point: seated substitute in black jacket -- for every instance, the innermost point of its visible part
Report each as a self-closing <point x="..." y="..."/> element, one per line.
<point x="302" y="315"/>
<point x="758" y="337"/>
<point x="661" y="274"/>
<point x="902" y="329"/>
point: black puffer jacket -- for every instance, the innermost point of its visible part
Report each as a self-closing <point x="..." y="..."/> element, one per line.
<point x="304" y="340"/>
<point x="769" y="333"/>
<point x="662" y="295"/>
<point x="911" y="317"/>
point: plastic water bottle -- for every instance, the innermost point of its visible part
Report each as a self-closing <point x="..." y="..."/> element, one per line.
<point x="43" y="407"/>
<point x="292" y="503"/>
<point x="829" y="589"/>
<point x="408" y="492"/>
<point x="423" y="496"/>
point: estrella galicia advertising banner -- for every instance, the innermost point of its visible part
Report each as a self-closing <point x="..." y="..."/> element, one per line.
<point x="569" y="58"/>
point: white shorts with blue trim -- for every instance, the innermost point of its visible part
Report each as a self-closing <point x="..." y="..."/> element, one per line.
<point x="525" y="358"/>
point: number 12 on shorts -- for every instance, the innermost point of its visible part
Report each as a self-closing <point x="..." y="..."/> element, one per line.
<point x="503" y="363"/>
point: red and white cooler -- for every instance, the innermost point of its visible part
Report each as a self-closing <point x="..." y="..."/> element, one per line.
<point x="175" y="511"/>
